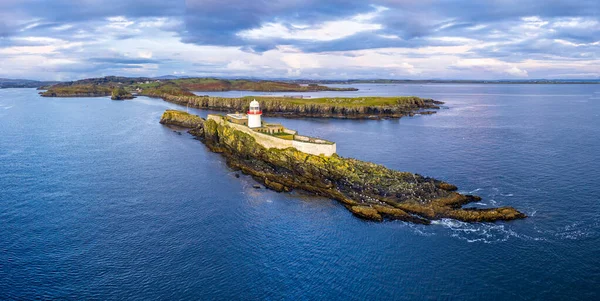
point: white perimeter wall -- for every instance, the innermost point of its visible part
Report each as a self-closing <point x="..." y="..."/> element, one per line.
<point x="269" y="141"/>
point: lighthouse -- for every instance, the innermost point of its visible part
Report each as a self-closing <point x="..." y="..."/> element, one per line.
<point x="254" y="114"/>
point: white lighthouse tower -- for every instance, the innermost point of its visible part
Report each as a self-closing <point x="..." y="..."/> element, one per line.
<point x="254" y="114"/>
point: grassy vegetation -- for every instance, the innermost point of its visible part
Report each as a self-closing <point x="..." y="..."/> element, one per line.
<point x="285" y="136"/>
<point x="181" y="118"/>
<point x="213" y="84"/>
<point x="345" y="101"/>
<point x="78" y="90"/>
<point x="176" y="87"/>
<point x="160" y="88"/>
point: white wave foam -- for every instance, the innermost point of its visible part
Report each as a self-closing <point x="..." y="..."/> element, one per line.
<point x="420" y="229"/>
<point x="474" y="191"/>
<point x="481" y="232"/>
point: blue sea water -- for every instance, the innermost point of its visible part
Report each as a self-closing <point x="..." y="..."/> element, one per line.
<point x="100" y="201"/>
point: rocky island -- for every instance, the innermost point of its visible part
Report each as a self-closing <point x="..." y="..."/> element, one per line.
<point x="179" y="91"/>
<point x="368" y="190"/>
<point x="120" y="94"/>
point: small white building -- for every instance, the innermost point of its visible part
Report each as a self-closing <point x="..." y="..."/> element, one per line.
<point x="254" y="115"/>
<point x="271" y="135"/>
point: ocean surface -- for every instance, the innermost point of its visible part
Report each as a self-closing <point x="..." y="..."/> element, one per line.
<point x="100" y="201"/>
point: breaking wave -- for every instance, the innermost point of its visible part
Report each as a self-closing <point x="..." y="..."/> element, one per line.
<point x="481" y="232"/>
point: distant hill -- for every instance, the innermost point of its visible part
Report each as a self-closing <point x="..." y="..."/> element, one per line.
<point x="252" y="84"/>
<point x="103" y="86"/>
<point x="446" y="81"/>
<point x="24" y="83"/>
<point x="171" y="77"/>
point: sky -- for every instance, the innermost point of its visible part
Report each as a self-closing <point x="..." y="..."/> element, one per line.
<point x="312" y="39"/>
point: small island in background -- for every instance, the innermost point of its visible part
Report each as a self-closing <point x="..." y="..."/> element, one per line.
<point x="184" y="86"/>
<point x="180" y="91"/>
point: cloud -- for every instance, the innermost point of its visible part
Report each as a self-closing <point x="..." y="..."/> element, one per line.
<point x="211" y="22"/>
<point x="124" y="61"/>
<point x="326" y="31"/>
<point x="490" y="66"/>
<point x="291" y="38"/>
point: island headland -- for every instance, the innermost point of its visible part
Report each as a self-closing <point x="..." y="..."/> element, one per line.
<point x="179" y="91"/>
<point x="331" y="107"/>
<point x="370" y="191"/>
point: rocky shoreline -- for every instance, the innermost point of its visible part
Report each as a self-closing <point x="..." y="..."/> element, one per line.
<point x="282" y="107"/>
<point x="368" y="190"/>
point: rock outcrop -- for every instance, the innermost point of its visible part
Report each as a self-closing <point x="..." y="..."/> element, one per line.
<point x="120" y="94"/>
<point x="368" y="190"/>
<point x="284" y="107"/>
<point x="185" y="120"/>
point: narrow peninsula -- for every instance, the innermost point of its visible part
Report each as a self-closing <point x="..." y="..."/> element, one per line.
<point x="283" y="160"/>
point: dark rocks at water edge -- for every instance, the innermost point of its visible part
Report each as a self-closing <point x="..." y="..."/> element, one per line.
<point x="368" y="190"/>
<point x="182" y="119"/>
<point x="333" y="107"/>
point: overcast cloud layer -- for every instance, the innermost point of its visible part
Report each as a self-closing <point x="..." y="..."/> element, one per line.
<point x="404" y="39"/>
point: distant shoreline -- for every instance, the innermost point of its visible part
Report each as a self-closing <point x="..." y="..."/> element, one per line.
<point x="421" y="82"/>
<point x="222" y="84"/>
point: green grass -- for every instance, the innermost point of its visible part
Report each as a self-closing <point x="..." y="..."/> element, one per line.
<point x="285" y="136"/>
<point x="213" y="84"/>
<point x="164" y="88"/>
<point x="182" y="117"/>
<point x="78" y="90"/>
<point x="345" y="101"/>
